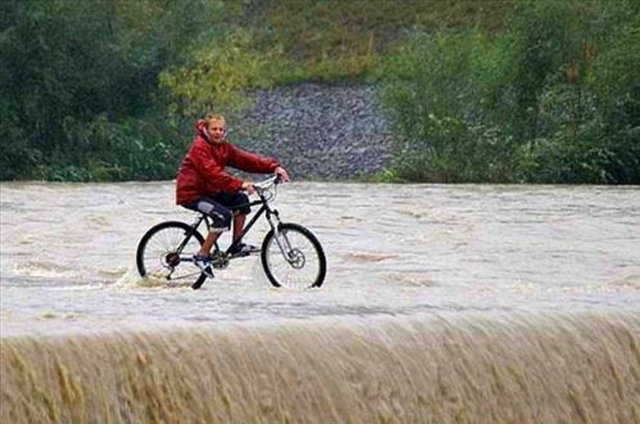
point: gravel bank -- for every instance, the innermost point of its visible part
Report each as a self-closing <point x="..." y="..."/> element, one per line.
<point x="318" y="130"/>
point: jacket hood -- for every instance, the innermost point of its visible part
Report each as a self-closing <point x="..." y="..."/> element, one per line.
<point x="201" y="130"/>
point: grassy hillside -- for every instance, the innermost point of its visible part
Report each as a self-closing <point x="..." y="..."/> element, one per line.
<point x="278" y="42"/>
<point x="328" y="40"/>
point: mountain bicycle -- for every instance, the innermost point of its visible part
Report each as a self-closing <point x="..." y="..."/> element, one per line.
<point x="290" y="254"/>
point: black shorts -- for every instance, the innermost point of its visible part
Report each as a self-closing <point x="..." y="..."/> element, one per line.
<point x="221" y="208"/>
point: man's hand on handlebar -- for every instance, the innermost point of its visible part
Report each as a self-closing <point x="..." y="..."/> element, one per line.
<point x="283" y="174"/>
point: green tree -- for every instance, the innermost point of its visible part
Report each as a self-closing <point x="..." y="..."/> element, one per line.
<point x="78" y="75"/>
<point x="553" y="98"/>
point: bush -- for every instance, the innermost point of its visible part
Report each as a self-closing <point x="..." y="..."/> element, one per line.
<point x="134" y="149"/>
<point x="219" y="75"/>
<point x="555" y="98"/>
<point x="437" y="101"/>
<point x="77" y="74"/>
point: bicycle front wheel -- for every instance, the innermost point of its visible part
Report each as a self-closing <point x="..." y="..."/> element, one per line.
<point x="164" y="254"/>
<point x="293" y="257"/>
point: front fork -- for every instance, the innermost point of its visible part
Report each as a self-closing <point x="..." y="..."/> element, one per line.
<point x="281" y="239"/>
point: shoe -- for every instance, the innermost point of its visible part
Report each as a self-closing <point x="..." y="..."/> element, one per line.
<point x="204" y="263"/>
<point x="243" y="249"/>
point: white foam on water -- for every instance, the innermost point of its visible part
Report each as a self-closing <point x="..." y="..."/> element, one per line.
<point x="132" y="280"/>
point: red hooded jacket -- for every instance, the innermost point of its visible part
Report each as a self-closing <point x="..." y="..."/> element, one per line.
<point x="202" y="170"/>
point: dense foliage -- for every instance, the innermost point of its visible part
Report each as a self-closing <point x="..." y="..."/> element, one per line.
<point x="79" y="86"/>
<point x="107" y="89"/>
<point x="555" y="97"/>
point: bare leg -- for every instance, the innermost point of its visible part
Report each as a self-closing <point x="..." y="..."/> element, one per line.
<point x="212" y="237"/>
<point x="238" y="225"/>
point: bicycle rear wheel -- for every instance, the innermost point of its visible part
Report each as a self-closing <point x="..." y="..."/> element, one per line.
<point x="294" y="258"/>
<point x="160" y="257"/>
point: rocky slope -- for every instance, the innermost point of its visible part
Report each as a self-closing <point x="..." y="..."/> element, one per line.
<point x="318" y="130"/>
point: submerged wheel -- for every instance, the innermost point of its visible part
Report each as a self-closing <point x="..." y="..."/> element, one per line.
<point x="294" y="259"/>
<point x="158" y="257"/>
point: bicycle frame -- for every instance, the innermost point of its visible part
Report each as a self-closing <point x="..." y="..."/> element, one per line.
<point x="265" y="208"/>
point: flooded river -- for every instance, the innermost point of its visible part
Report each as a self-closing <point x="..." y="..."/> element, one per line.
<point x="68" y="253"/>
<point x="416" y="274"/>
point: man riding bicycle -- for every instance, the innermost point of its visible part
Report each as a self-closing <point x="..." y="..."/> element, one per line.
<point x="203" y="184"/>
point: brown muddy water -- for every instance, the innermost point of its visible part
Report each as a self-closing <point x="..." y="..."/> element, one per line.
<point x="465" y="303"/>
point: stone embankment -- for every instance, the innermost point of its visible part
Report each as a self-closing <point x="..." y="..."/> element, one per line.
<point x="318" y="130"/>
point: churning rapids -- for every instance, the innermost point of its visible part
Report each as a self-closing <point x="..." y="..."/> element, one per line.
<point x="465" y="303"/>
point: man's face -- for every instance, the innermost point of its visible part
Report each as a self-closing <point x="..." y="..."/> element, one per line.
<point x="216" y="131"/>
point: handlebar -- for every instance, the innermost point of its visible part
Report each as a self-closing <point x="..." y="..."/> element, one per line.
<point x="267" y="183"/>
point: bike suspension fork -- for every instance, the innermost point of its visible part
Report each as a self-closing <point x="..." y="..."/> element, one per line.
<point x="281" y="239"/>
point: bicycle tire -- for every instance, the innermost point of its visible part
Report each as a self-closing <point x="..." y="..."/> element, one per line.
<point x="304" y="243"/>
<point x="158" y="244"/>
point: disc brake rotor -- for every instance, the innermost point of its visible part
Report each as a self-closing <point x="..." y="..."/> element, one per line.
<point x="296" y="258"/>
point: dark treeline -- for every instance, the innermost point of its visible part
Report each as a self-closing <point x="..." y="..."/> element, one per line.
<point x="106" y="90"/>
<point x="80" y="98"/>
